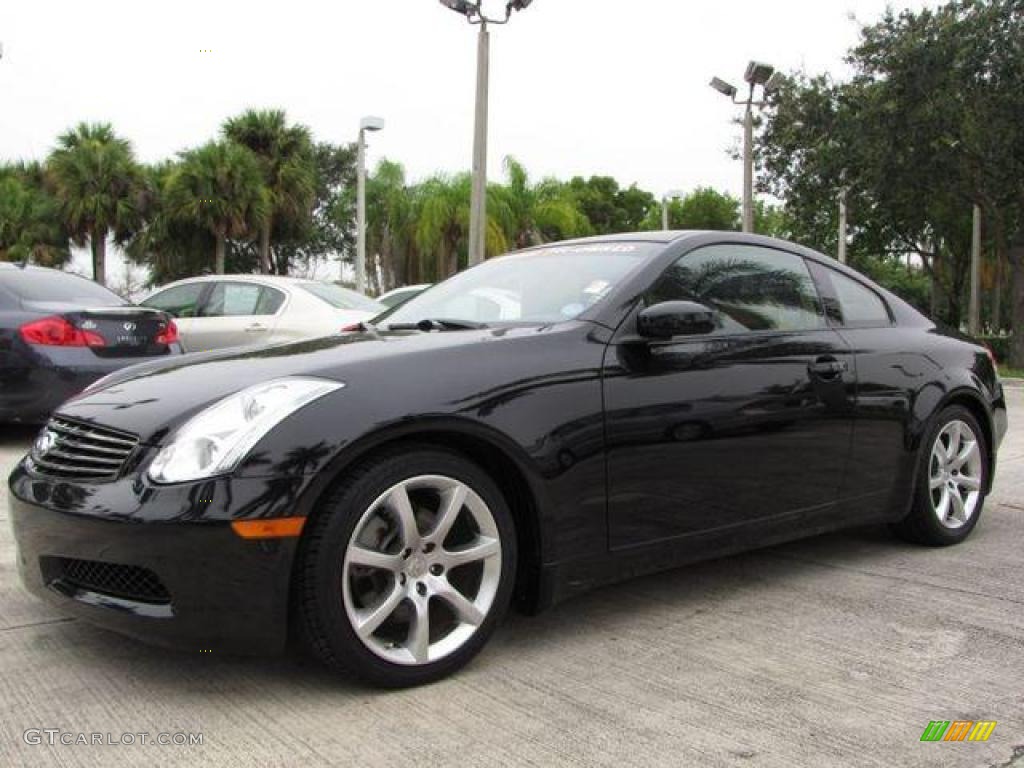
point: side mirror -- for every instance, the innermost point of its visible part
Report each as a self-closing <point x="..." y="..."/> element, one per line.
<point x="675" y="318"/>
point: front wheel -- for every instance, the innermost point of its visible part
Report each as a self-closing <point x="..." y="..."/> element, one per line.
<point x="952" y="475"/>
<point x="407" y="569"/>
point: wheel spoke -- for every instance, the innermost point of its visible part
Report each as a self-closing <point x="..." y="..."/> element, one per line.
<point x="462" y="605"/>
<point x="954" y="441"/>
<point x="968" y="482"/>
<point x="935" y="482"/>
<point x="481" y="549"/>
<point x="958" y="512"/>
<point x="369" y="622"/>
<point x="942" y="510"/>
<point x="418" y="641"/>
<point x="451" y="505"/>
<point x="370" y="558"/>
<point x="398" y="502"/>
<point x="967" y="451"/>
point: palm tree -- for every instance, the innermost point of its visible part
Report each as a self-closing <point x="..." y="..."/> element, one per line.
<point x="98" y="186"/>
<point x="390" y="223"/>
<point x="534" y="214"/>
<point x="442" y="222"/>
<point x="285" y="154"/>
<point x="220" y="186"/>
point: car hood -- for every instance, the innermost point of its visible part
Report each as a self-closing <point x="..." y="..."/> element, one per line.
<point x="152" y="399"/>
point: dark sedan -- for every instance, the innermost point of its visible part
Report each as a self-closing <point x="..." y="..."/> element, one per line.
<point x="545" y="423"/>
<point x="60" y="332"/>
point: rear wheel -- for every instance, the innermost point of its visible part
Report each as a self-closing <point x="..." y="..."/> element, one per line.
<point x="407" y="568"/>
<point x="952" y="475"/>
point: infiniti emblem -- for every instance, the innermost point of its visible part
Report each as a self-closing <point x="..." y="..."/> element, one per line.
<point x="44" y="443"/>
<point x="129" y="326"/>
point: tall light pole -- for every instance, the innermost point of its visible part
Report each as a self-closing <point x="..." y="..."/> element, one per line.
<point x="674" y="194"/>
<point x="842" y="226"/>
<point x="974" y="303"/>
<point x="478" y="202"/>
<point x="757" y="74"/>
<point x="367" y="124"/>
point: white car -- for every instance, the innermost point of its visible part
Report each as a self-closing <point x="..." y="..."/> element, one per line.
<point x="219" y="311"/>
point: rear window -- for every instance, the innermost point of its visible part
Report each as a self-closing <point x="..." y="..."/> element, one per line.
<point x="53" y="287"/>
<point x="342" y="298"/>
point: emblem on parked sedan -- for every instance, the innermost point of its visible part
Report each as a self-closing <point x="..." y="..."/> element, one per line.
<point x="87" y="325"/>
<point x="129" y="326"/>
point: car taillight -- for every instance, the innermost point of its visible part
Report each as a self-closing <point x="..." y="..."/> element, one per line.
<point x="168" y="334"/>
<point x="58" y="332"/>
<point x="352" y="328"/>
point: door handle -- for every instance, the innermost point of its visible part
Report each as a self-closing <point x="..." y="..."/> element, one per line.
<point x="828" y="367"/>
<point x="255" y="328"/>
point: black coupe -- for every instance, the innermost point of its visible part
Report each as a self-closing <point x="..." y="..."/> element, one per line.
<point x="550" y="421"/>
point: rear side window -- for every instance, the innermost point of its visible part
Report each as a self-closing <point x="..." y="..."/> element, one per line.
<point x="179" y="301"/>
<point x="753" y="288"/>
<point x="342" y="298"/>
<point x="242" y="299"/>
<point x="38" y="286"/>
<point x="859" y="306"/>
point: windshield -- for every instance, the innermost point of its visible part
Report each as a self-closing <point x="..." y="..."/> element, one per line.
<point x="34" y="286"/>
<point x="542" y="286"/>
<point x="342" y="298"/>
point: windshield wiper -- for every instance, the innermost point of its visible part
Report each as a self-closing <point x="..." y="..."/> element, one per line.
<point x="438" y="324"/>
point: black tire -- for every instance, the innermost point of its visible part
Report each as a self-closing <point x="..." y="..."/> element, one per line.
<point x="921" y="525"/>
<point x="323" y="624"/>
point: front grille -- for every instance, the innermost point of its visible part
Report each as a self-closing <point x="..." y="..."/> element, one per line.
<point x="71" y="449"/>
<point x="125" y="581"/>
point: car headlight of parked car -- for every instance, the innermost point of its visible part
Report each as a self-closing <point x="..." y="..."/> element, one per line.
<point x="214" y="441"/>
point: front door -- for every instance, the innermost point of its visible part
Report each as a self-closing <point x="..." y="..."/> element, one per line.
<point x="749" y="422"/>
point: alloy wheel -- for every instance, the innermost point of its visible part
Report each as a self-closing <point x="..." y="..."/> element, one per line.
<point x="421" y="570"/>
<point x="955" y="474"/>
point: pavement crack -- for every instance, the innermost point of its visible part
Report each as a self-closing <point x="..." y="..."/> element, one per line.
<point x="892" y="577"/>
<point x="36" y="624"/>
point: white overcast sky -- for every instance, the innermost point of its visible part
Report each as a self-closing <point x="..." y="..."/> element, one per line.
<point x="612" y="87"/>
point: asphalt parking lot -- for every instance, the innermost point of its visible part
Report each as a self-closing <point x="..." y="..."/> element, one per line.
<point x="833" y="651"/>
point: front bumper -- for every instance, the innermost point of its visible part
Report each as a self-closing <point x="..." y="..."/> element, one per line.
<point x="224" y="593"/>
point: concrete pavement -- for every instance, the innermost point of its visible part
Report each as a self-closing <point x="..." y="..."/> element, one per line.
<point x="833" y="651"/>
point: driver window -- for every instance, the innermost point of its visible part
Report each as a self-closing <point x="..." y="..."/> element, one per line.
<point x="753" y="288"/>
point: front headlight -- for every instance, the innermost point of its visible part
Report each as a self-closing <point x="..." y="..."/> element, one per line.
<point x="214" y="441"/>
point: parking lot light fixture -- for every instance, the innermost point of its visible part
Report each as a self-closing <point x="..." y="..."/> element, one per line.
<point x="367" y="124"/>
<point x="758" y="74"/>
<point x="478" y="202"/>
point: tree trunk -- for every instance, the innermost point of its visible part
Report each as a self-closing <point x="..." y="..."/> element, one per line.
<point x="997" y="290"/>
<point x="98" y="241"/>
<point x="265" y="263"/>
<point x="219" y="256"/>
<point x="1015" y="256"/>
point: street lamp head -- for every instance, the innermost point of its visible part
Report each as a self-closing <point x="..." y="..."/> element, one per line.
<point x="465" y="7"/>
<point x="675" y="194"/>
<point x="758" y="73"/>
<point x="723" y="87"/>
<point x="371" y="124"/>
<point x="775" y="82"/>
<point x="519" y="5"/>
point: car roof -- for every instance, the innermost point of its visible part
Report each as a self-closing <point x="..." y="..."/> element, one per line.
<point x="272" y="280"/>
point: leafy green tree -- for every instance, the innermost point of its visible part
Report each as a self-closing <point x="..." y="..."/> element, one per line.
<point x="608" y="207"/>
<point x="219" y="186"/>
<point x="287" y="161"/>
<point x="31" y="228"/>
<point x="99" y="188"/>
